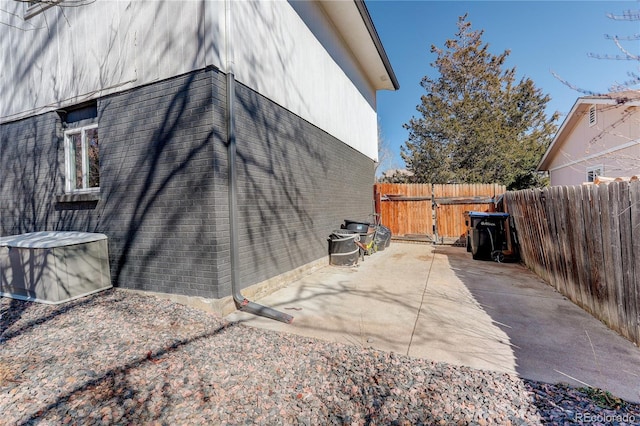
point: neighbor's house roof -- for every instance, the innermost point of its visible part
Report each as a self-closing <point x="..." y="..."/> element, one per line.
<point x="353" y="22"/>
<point x="579" y="109"/>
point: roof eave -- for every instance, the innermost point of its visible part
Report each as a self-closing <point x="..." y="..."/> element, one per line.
<point x="355" y="26"/>
<point x="366" y="18"/>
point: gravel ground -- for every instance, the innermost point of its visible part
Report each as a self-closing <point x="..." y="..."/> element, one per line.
<point x="124" y="358"/>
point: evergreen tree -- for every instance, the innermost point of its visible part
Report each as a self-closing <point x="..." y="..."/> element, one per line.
<point x="476" y="124"/>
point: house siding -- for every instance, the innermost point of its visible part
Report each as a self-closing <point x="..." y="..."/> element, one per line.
<point x="612" y="143"/>
<point x="67" y="54"/>
<point x="164" y="200"/>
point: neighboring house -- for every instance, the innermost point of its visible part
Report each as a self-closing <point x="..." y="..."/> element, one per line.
<point x="599" y="137"/>
<point x="117" y="117"/>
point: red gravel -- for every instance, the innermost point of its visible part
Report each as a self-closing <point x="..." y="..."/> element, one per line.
<point x="124" y="358"/>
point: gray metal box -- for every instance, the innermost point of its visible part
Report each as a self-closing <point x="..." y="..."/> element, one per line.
<point x="53" y="267"/>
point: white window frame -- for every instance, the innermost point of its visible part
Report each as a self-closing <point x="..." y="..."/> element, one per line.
<point x="69" y="163"/>
<point x="592" y="117"/>
<point x="36" y="7"/>
<point x="591" y="176"/>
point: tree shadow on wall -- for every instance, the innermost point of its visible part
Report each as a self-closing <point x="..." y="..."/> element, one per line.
<point x="154" y="171"/>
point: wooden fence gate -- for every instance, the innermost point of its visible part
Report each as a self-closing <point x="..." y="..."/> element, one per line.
<point x="433" y="211"/>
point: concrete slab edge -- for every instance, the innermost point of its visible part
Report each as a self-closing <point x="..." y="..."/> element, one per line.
<point x="225" y="305"/>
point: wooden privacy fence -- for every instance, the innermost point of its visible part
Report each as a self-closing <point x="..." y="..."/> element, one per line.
<point x="436" y="211"/>
<point x="405" y="208"/>
<point x="585" y="241"/>
<point x="451" y="201"/>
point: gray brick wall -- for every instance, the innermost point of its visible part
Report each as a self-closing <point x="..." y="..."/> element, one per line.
<point x="297" y="183"/>
<point x="159" y="183"/>
<point x="163" y="170"/>
<point x="31" y="167"/>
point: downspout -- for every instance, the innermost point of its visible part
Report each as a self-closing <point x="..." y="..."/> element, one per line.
<point x="241" y="302"/>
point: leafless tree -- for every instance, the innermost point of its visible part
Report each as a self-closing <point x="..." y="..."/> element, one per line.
<point x="385" y="153"/>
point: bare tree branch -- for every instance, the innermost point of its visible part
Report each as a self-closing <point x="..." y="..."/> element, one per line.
<point x="574" y="87"/>
<point x="628" y="15"/>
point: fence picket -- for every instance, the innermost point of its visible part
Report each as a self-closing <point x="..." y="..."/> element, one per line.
<point x="616" y="282"/>
<point x="533" y="228"/>
<point x="588" y="242"/>
<point x="556" y="274"/>
<point x="627" y="304"/>
<point x="576" y="242"/>
<point x="634" y="287"/>
<point x="571" y="283"/>
<point x="530" y="223"/>
<point x="598" y="266"/>
<point x="607" y="294"/>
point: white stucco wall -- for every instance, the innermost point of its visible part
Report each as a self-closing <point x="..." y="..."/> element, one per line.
<point x="66" y="55"/>
<point x="282" y="59"/>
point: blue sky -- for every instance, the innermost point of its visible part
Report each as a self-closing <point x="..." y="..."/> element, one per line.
<point x="543" y="36"/>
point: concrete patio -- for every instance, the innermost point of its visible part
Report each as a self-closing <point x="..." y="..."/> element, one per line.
<point x="435" y="302"/>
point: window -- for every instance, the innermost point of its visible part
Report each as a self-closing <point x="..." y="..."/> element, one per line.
<point x="35" y="7"/>
<point x="82" y="165"/>
<point x="592" y="172"/>
<point x="592" y="115"/>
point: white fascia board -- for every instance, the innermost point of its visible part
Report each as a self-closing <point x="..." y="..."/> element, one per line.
<point x="351" y="25"/>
